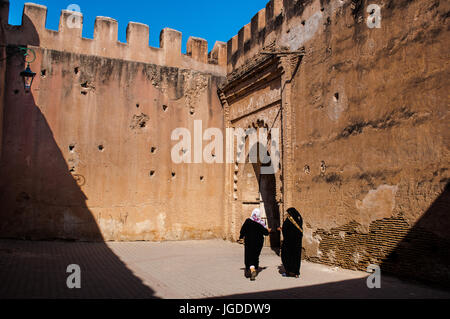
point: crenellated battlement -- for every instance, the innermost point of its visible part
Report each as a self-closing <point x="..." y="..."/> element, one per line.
<point x="253" y="36"/>
<point x="105" y="43"/>
<point x="284" y="24"/>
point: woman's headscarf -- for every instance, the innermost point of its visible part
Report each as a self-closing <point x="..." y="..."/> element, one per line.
<point x="256" y="217"/>
<point x="296" y="216"/>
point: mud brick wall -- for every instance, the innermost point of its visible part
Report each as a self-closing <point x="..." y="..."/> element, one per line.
<point x="371" y="115"/>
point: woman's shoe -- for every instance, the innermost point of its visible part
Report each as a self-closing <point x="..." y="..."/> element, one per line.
<point x="253" y="275"/>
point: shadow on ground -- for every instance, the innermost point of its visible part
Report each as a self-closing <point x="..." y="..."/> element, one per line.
<point x="349" y="289"/>
<point x="30" y="270"/>
<point x="41" y="199"/>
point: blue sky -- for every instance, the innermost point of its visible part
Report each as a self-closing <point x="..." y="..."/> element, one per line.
<point x="213" y="20"/>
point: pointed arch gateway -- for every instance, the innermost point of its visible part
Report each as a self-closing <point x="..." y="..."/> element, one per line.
<point x="256" y="185"/>
<point x="257" y="97"/>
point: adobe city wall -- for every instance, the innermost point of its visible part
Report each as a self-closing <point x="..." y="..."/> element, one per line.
<point x="369" y="120"/>
<point x="365" y="131"/>
<point x="87" y="153"/>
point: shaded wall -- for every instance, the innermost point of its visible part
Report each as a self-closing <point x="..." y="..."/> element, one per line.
<point x="372" y="123"/>
<point x="2" y="68"/>
<point x="2" y="89"/>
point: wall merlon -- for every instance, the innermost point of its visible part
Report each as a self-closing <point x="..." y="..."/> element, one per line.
<point x="247" y="32"/>
<point x="232" y="48"/>
<point x="270" y="12"/>
<point x="197" y="49"/>
<point x="106" y="29"/>
<point x="170" y="43"/>
<point x="232" y="45"/>
<point x="240" y="35"/>
<point x="244" y="37"/>
<point x="4" y="11"/>
<point x="277" y="7"/>
<point x="170" y="38"/>
<point x="71" y="24"/>
<point x="258" y="23"/>
<point x="138" y="35"/>
<point x="36" y="14"/>
<point x="218" y="55"/>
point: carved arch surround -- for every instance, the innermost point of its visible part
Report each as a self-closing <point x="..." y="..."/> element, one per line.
<point x="259" y="93"/>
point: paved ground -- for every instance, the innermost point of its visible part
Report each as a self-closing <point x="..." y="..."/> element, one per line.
<point x="200" y="269"/>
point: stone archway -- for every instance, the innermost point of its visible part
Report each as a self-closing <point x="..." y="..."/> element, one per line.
<point x="257" y="188"/>
<point x="259" y="92"/>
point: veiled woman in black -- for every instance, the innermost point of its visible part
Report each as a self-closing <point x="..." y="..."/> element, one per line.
<point x="291" y="249"/>
<point x="253" y="232"/>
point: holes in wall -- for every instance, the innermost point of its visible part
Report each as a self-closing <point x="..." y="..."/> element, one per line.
<point x="139" y="121"/>
<point x="153" y="150"/>
<point x="192" y="112"/>
<point x="87" y="87"/>
<point x="336" y="97"/>
<point x="43" y="73"/>
<point x="202" y="178"/>
<point x="71" y="148"/>
<point x="307" y="169"/>
<point x="152" y="173"/>
<point x="16" y="92"/>
<point x="76" y="70"/>
<point x="323" y="167"/>
<point x="137" y="105"/>
<point x="165" y="108"/>
<point x="303" y="22"/>
<point x="174" y="175"/>
<point x="101" y="148"/>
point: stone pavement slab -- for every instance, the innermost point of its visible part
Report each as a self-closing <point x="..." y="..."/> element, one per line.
<point x="188" y="270"/>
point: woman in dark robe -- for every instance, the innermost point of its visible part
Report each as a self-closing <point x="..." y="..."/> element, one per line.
<point x="291" y="249"/>
<point x="253" y="232"/>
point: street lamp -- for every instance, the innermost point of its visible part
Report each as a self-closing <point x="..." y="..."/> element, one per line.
<point x="28" y="77"/>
